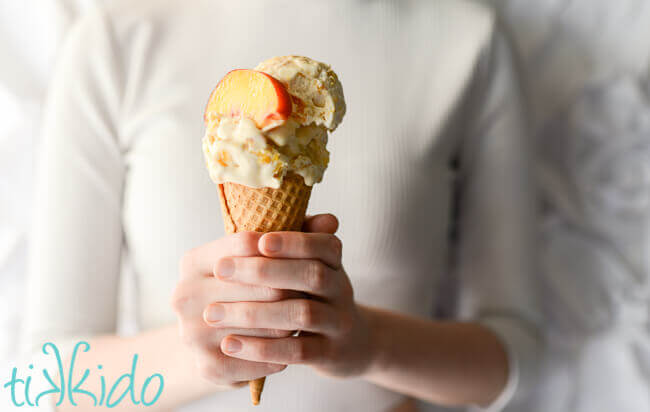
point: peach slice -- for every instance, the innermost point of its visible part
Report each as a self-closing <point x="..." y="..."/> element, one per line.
<point x="253" y="94"/>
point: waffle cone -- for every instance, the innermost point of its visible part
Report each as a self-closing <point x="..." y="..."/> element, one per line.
<point x="256" y="387"/>
<point x="247" y="209"/>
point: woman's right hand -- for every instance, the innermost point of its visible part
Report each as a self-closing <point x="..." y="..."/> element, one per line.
<point x="198" y="288"/>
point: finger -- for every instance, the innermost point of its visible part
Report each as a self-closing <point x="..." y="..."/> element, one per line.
<point x="284" y="351"/>
<point x="221" y="369"/>
<point x="200" y="261"/>
<point x="305" y="275"/>
<point x="190" y="300"/>
<point x="298" y="245"/>
<point x="260" y="333"/>
<point x="324" y="223"/>
<point x="293" y="314"/>
<point x="241" y="292"/>
<point x="217" y="290"/>
<point x="196" y="334"/>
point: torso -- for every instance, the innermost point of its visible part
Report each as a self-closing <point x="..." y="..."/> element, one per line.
<point x="389" y="180"/>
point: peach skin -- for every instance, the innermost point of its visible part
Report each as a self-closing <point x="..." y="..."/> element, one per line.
<point x="253" y="94"/>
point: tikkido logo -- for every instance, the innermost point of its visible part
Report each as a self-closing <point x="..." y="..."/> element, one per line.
<point x="21" y="395"/>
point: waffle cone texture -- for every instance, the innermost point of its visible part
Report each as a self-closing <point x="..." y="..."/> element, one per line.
<point x="248" y="209"/>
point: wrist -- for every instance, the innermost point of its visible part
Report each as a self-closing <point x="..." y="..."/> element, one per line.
<point x="376" y="346"/>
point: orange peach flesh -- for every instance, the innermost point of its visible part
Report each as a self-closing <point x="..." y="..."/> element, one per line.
<point x="253" y="94"/>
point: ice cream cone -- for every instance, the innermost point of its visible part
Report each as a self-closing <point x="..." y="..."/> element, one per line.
<point x="248" y="209"/>
<point x="256" y="387"/>
<point x="268" y="128"/>
<point x="264" y="210"/>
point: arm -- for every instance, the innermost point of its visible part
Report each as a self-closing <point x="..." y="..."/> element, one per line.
<point x="77" y="239"/>
<point x="447" y="363"/>
<point x="496" y="229"/>
<point x="159" y="351"/>
<point x="484" y="361"/>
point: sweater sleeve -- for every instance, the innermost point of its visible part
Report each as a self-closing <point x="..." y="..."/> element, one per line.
<point x="74" y="263"/>
<point x="496" y="270"/>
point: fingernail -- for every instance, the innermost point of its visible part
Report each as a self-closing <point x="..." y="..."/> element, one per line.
<point x="215" y="313"/>
<point x="272" y="243"/>
<point x="225" y="268"/>
<point x="232" y="345"/>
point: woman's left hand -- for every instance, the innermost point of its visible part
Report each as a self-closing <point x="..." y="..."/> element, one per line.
<point x="335" y="336"/>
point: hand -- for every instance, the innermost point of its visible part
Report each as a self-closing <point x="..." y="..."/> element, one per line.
<point x="198" y="288"/>
<point x="335" y="336"/>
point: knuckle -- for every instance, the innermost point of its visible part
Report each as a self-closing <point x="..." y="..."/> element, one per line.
<point x="261" y="351"/>
<point x="215" y="267"/>
<point x="185" y="299"/>
<point x="179" y="301"/>
<point x="273" y="295"/>
<point x="182" y="300"/>
<point x="187" y="262"/>
<point x="278" y="333"/>
<point x="247" y="242"/>
<point x="226" y="263"/>
<point x="316" y="276"/>
<point x="248" y="314"/>
<point x="303" y="245"/>
<point x="300" y="352"/>
<point x="261" y="269"/>
<point x="304" y="315"/>
<point x="337" y="246"/>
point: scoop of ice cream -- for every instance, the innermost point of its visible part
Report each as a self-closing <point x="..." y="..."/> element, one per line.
<point x="239" y="150"/>
<point x="315" y="89"/>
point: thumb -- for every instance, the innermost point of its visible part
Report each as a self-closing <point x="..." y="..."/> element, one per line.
<point x="323" y="223"/>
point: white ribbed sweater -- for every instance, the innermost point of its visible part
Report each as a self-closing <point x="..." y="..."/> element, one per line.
<point x="433" y="110"/>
